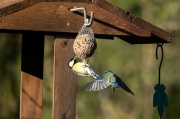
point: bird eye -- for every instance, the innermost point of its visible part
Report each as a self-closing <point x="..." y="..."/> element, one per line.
<point x="85" y="65"/>
<point x="107" y="71"/>
<point x="71" y="59"/>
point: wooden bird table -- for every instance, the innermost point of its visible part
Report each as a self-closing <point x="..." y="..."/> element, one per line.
<point x="36" y="18"/>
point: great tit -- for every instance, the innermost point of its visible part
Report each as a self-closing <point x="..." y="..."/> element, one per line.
<point x="109" y="79"/>
<point x="81" y="68"/>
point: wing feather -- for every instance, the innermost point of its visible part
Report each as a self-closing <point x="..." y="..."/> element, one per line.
<point x="96" y="85"/>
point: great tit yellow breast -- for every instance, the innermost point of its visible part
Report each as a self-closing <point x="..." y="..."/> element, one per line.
<point x="79" y="67"/>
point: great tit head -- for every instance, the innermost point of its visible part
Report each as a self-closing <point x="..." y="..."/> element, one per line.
<point x="71" y="62"/>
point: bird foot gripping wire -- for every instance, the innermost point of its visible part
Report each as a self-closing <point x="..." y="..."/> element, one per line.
<point x="85" y="43"/>
<point x="160" y="97"/>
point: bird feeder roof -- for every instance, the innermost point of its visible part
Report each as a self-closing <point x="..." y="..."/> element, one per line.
<point x="53" y="16"/>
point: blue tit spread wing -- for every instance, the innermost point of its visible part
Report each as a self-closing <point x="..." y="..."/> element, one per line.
<point x="96" y="85"/>
<point x="123" y="85"/>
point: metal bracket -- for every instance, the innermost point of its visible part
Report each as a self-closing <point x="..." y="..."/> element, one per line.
<point x="86" y="21"/>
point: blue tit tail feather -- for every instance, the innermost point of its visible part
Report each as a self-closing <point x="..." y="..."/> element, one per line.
<point x="122" y="85"/>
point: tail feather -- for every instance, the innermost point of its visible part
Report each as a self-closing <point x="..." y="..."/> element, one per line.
<point x="123" y="85"/>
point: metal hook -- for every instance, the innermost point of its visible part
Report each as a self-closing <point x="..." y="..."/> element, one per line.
<point x="85" y="15"/>
<point x="160" y="45"/>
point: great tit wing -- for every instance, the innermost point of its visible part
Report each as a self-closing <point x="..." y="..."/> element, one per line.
<point x="90" y="71"/>
<point x="123" y="85"/>
<point x="96" y="85"/>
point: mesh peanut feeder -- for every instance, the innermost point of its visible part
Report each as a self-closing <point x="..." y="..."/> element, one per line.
<point x="85" y="42"/>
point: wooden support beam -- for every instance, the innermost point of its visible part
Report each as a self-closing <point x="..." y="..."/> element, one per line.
<point x="31" y="86"/>
<point x="64" y="80"/>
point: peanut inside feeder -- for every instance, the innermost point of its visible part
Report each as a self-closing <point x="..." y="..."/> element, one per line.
<point x="84" y="46"/>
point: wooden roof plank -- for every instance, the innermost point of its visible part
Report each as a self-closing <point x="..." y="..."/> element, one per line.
<point x="134" y="19"/>
<point x="10" y="7"/>
<point x="52" y="13"/>
<point x="77" y="1"/>
<point x="142" y="40"/>
<point x="109" y="20"/>
<point x="4" y="3"/>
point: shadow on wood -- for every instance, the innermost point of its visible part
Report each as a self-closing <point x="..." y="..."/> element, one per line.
<point x="31" y="76"/>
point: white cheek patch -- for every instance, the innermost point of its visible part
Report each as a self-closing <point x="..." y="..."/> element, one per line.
<point x="71" y="63"/>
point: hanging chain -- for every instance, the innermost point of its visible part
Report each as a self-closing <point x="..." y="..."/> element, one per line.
<point x="160" y="45"/>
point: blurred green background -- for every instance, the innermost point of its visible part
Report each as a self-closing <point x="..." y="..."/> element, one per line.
<point x="135" y="64"/>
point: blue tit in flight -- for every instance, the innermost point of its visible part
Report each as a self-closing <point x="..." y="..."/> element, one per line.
<point x="81" y="68"/>
<point x="115" y="82"/>
<point x="108" y="80"/>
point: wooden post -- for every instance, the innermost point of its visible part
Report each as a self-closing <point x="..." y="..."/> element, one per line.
<point x="31" y="76"/>
<point x="64" y="85"/>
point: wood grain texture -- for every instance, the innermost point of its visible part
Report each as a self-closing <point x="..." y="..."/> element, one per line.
<point x="79" y="1"/>
<point x="109" y="21"/>
<point x="10" y="6"/>
<point x="135" y="20"/>
<point x="112" y="22"/>
<point x="4" y="3"/>
<point x="46" y="17"/>
<point x="31" y="86"/>
<point x="64" y="80"/>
